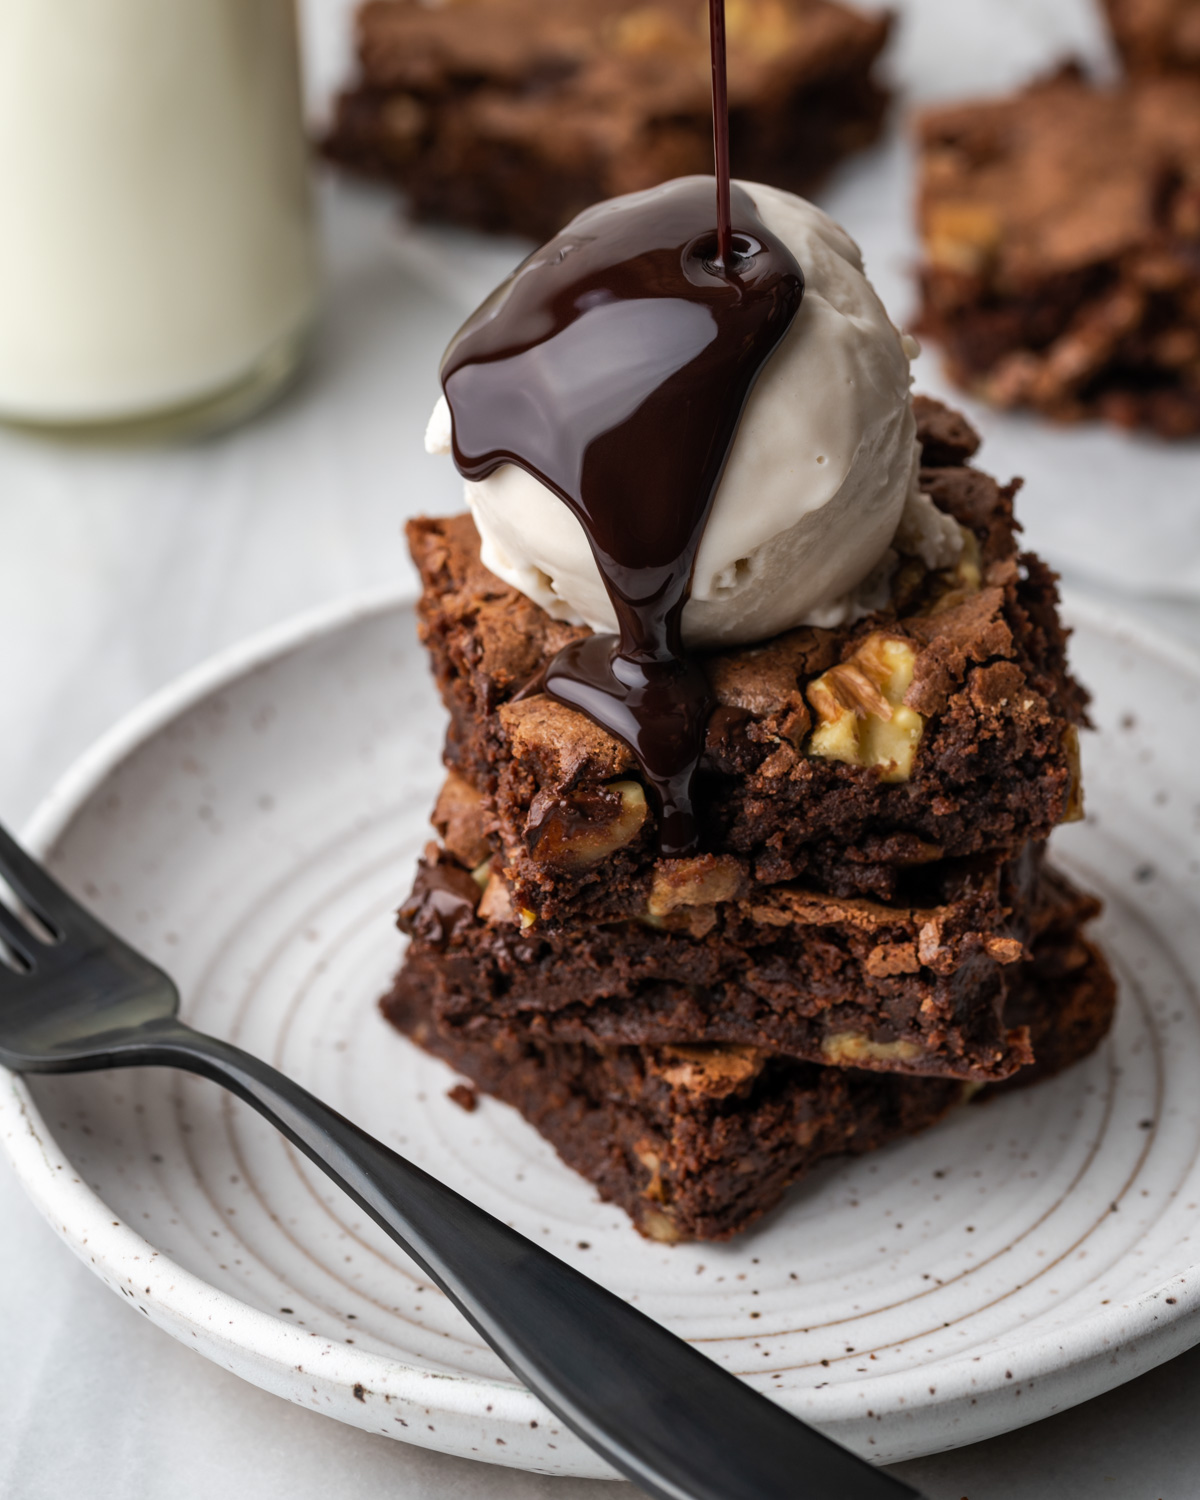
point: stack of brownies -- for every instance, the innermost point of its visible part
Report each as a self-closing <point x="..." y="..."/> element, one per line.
<point x="871" y="933"/>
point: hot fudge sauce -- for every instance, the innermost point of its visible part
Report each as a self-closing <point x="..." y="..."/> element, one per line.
<point x="614" y="366"/>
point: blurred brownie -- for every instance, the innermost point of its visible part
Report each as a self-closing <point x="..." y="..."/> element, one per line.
<point x="1061" y="260"/>
<point x="850" y="760"/>
<point x="514" y="115"/>
<point x="696" y="1141"/>
<point x="1156" y="36"/>
<point x="829" y="979"/>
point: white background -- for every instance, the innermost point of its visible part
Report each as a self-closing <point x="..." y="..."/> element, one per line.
<point x="120" y="569"/>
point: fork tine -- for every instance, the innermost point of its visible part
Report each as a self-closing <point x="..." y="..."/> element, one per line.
<point x="17" y="937"/>
<point x="41" y="892"/>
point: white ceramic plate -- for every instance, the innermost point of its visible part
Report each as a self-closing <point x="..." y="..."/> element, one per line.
<point x="254" y="827"/>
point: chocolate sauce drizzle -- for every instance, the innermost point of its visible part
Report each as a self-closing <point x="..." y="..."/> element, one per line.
<point x="443" y="899"/>
<point x="614" y="366"/>
<point x="720" y="112"/>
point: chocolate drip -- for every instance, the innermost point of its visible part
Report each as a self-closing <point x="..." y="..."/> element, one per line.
<point x="614" y="366"/>
<point x="720" y="109"/>
<point x="443" y="900"/>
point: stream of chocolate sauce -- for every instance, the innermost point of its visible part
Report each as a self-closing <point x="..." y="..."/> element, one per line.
<point x="720" y="114"/>
<point x="614" y="366"/>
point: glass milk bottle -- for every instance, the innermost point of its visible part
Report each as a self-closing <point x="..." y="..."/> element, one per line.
<point x="157" y="256"/>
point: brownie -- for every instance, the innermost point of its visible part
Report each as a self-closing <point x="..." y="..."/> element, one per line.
<point x="1064" y="994"/>
<point x="812" y="774"/>
<point x="696" y="1141"/>
<point x="828" y="979"/>
<point x="1061" y="248"/>
<point x="514" y="115"/>
<point x="1156" y="36"/>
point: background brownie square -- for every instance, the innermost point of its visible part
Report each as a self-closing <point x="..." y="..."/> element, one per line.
<point x="513" y="115"/>
<point x="1061" y="235"/>
<point x="1156" y="36"/>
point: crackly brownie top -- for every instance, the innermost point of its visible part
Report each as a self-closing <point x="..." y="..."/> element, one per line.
<point x="650" y="59"/>
<point x="1157" y="35"/>
<point x="1061" y="177"/>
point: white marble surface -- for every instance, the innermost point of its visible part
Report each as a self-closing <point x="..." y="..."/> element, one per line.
<point x="120" y="569"/>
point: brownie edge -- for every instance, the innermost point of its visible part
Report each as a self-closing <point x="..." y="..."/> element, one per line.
<point x="818" y="978"/>
<point x="696" y="1142"/>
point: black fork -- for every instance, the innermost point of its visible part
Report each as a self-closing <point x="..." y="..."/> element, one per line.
<point x="75" y="997"/>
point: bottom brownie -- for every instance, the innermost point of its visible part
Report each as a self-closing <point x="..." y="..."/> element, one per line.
<point x="696" y="1141"/>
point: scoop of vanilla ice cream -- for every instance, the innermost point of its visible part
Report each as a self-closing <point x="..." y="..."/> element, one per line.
<point x="820" y="481"/>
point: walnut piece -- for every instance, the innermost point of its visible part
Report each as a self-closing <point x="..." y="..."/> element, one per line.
<point x="656" y="1225"/>
<point x="862" y="717"/>
<point x="647" y="31"/>
<point x="961" y="236"/>
<point x="715" y="1069"/>
<point x="496" y="906"/>
<point x="1074" y="810"/>
<point x="764" y="27"/>
<point x="580" y="830"/>
<point x="458" y="817"/>
<point x="854" y="1049"/>
<point x="702" y="880"/>
<point x="649" y="1158"/>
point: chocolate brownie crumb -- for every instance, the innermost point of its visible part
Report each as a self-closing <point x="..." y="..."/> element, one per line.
<point x="464" y="1096"/>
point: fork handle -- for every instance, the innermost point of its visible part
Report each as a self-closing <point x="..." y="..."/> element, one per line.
<point x="663" y="1414"/>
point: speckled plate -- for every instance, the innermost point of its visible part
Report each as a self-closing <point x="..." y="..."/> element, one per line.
<point x="252" y="829"/>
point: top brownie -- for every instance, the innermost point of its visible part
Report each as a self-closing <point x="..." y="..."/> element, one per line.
<point x="1156" y="36"/>
<point x="1061" y="231"/>
<point x="941" y="728"/>
<point x="516" y="115"/>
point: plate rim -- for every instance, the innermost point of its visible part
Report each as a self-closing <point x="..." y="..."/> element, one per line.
<point x="180" y="1299"/>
